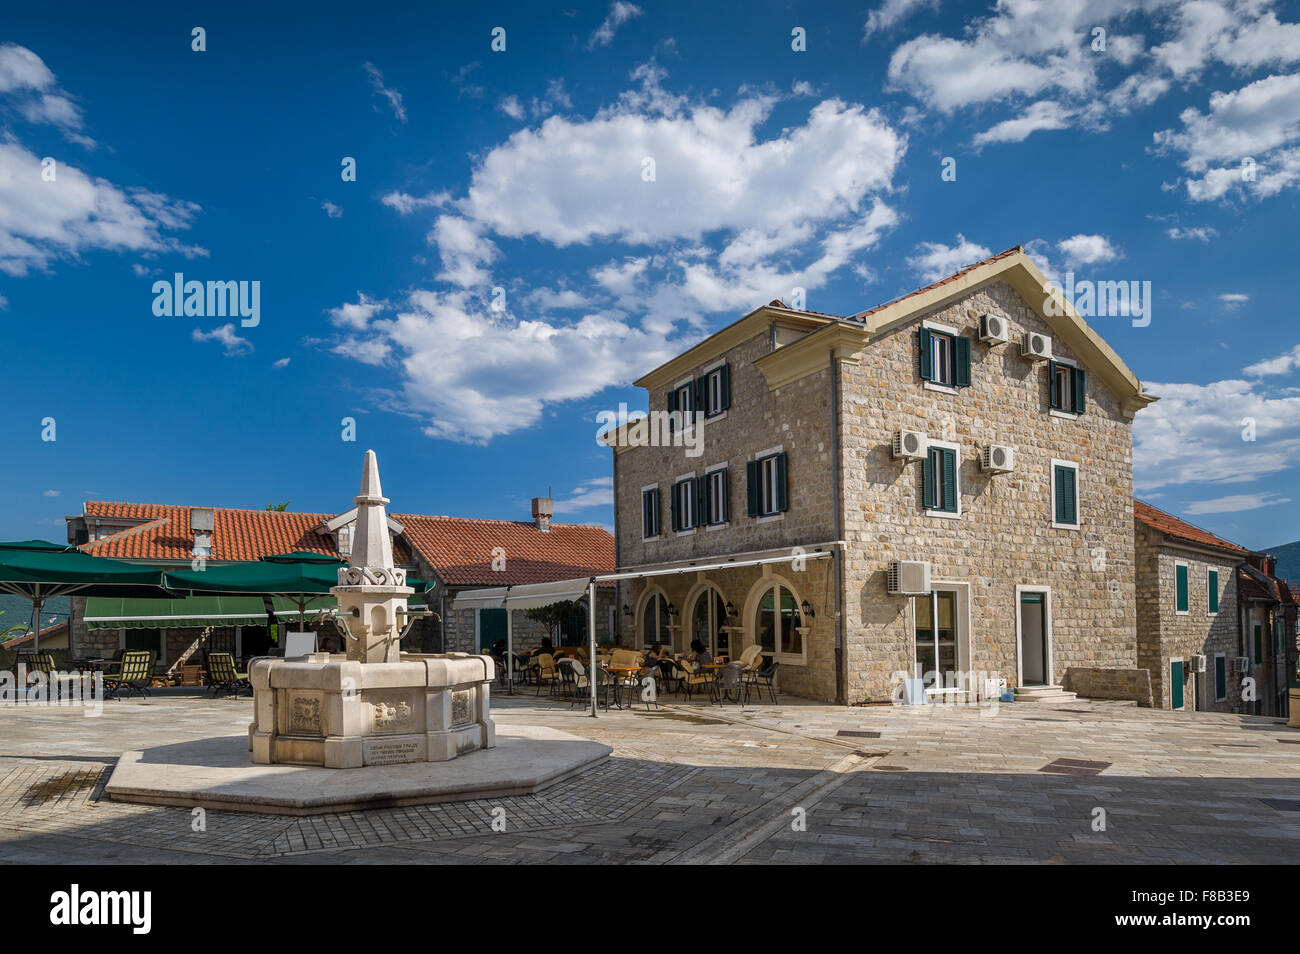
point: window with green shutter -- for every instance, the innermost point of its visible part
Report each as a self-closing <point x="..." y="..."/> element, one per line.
<point x="1212" y="587"/>
<point x="1065" y="495"/>
<point x="1220" y="678"/>
<point x="939" y="489"/>
<point x="1180" y="587"/>
<point x="766" y="485"/>
<point x="650" y="513"/>
<point x="944" y="358"/>
<point x="1067" y="387"/>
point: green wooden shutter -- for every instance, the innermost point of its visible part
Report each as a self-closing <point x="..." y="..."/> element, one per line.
<point x="726" y="387"/>
<point x="927" y="479"/>
<point x="1213" y="578"/>
<point x="1053" y="386"/>
<point x="1176" y="684"/>
<point x="924" y="338"/>
<point x="672" y="411"/>
<point x="646" y="528"/>
<point x="782" y="494"/>
<point x="698" y="389"/>
<point x="701" y="488"/>
<point x="949" y="480"/>
<point x="1259" y="646"/>
<point x="1180" y="588"/>
<point x="1071" y="495"/>
<point x="672" y="507"/>
<point x="752" y="480"/>
<point x="961" y="373"/>
<point x="1078" y="379"/>
<point x="726" y="495"/>
<point x="1220" y="677"/>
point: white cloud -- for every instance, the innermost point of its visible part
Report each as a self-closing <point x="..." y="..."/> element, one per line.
<point x="1201" y="233"/>
<point x="391" y="96"/>
<point x="280" y="363"/>
<point x="356" y="315"/>
<point x="228" y="338"/>
<point x="892" y="12"/>
<point x="1194" y="434"/>
<point x="332" y="210"/>
<point x="936" y="260"/>
<point x="1232" y="300"/>
<point x="41" y="221"/>
<point x="511" y="106"/>
<point x="1280" y="365"/>
<point x="597" y="492"/>
<point x="31" y="87"/>
<point x="1235" y="503"/>
<point x="406" y="204"/>
<point x="1087" y="250"/>
<point x="1039" y="116"/>
<point x="51" y="493"/>
<point x="619" y="13"/>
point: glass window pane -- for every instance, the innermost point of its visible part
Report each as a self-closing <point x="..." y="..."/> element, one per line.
<point x="791" y="639"/>
<point x="767" y="623"/>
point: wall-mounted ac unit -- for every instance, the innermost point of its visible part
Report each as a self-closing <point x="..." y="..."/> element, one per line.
<point x="1241" y="663"/>
<point x="998" y="459"/>
<point x="1196" y="663"/>
<point x="1036" y="346"/>
<point x="993" y="329"/>
<point x="909" y="577"/>
<point x="910" y="445"/>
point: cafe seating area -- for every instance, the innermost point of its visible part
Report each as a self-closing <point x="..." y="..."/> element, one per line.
<point x="627" y="677"/>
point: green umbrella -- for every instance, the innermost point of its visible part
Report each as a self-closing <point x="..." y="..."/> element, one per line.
<point x="38" y="570"/>
<point x="301" y="576"/>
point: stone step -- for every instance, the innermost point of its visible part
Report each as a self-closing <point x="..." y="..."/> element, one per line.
<point x="1044" y="694"/>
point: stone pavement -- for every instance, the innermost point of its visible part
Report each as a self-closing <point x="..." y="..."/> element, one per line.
<point x="795" y="783"/>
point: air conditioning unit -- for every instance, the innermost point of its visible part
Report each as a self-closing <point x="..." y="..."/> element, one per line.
<point x="909" y="577"/>
<point x="993" y="329"/>
<point x="998" y="459"/>
<point x="910" y="445"/>
<point x="1241" y="663"/>
<point x="1196" y="664"/>
<point x="1036" y="346"/>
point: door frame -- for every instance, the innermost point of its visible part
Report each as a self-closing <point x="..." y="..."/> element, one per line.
<point x="1047" y="625"/>
<point x="965" y="634"/>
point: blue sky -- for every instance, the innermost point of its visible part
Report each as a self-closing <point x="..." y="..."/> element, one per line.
<point x="522" y="170"/>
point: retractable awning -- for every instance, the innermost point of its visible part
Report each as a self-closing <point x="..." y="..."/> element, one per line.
<point x="524" y="595"/>
<point x="192" y="612"/>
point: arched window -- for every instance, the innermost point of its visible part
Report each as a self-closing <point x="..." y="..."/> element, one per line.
<point x="708" y="616"/>
<point x="654" y="621"/>
<point x="777" y="622"/>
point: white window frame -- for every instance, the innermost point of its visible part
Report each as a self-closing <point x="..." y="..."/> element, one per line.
<point x="956" y="448"/>
<point x="762" y="456"/>
<point x="1208" y="612"/>
<point x="1061" y="412"/>
<point x="709" y="484"/>
<point x="658" y="515"/>
<point x="707" y="374"/>
<point x="687" y="420"/>
<point x="1188" y="566"/>
<point x="1078" y="494"/>
<point x="677" y="486"/>
<point x="766" y="584"/>
<point x="932" y="385"/>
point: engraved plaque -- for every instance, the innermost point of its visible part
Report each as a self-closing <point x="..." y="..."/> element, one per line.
<point x="390" y="753"/>
<point x="304" y="715"/>
<point x="390" y="715"/>
<point x="461" y="707"/>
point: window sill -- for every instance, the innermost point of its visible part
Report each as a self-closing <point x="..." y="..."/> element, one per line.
<point x="945" y="514"/>
<point x="769" y="518"/>
<point x="1065" y="415"/>
<point x="941" y="388"/>
<point x="718" y="526"/>
<point x="1181" y="613"/>
<point x="686" y="533"/>
<point x="711" y="418"/>
<point x="1064" y="526"/>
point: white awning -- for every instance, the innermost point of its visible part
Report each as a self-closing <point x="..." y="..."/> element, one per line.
<point x="531" y="595"/>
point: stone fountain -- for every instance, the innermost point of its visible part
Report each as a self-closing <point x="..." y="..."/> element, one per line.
<point x="374" y="705"/>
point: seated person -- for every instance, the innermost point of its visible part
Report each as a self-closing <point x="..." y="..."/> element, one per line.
<point x="657" y="652"/>
<point x="700" y="654"/>
<point x="544" y="648"/>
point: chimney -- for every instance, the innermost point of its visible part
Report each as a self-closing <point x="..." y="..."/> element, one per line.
<point x="202" y="524"/>
<point x="543" y="509"/>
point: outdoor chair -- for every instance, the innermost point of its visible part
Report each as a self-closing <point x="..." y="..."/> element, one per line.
<point x="670" y="674"/>
<point x="729" y="684"/>
<point x="581" y="684"/>
<point x="638" y="686"/>
<point x="695" y="679"/>
<point x="765" y="678"/>
<point x="547" y="674"/>
<point x="134" y="674"/>
<point x="223" y="676"/>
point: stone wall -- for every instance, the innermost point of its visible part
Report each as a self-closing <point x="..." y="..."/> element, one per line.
<point x="1004" y="537"/>
<point x="1134" y="684"/>
<point x="1163" y="633"/>
<point x="796" y="419"/>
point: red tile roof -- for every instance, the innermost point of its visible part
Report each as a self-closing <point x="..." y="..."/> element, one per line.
<point x="1252" y="584"/>
<point x="943" y="281"/>
<point x="460" y="549"/>
<point x="1171" y="526"/>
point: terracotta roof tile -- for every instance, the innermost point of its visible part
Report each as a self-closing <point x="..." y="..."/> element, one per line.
<point x="943" y="281"/>
<point x="460" y="549"/>
<point x="1170" y="525"/>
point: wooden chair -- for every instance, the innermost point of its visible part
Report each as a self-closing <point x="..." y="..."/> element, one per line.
<point x="695" y="679"/>
<point x="547" y="674"/>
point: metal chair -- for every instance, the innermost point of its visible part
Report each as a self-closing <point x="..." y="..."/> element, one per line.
<point x="222" y="674"/>
<point x="765" y="678"/>
<point x="729" y="684"/>
<point x="134" y="675"/>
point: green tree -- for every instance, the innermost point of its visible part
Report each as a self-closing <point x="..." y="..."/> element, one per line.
<point x="554" y="615"/>
<point x="279" y="507"/>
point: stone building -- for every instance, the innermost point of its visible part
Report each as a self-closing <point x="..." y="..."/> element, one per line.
<point x="953" y="467"/>
<point x="1269" y="633"/>
<point x="453" y="553"/>
<point x="1188" y="635"/>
